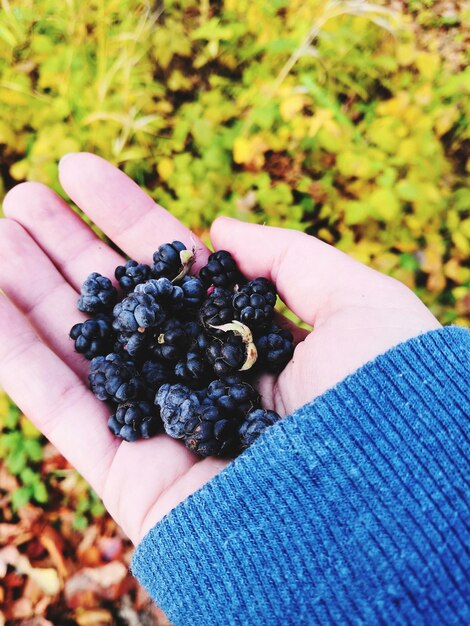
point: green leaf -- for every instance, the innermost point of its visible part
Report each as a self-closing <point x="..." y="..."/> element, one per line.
<point x="12" y="417"/>
<point x="28" y="476"/>
<point x="20" y="497"/>
<point x="16" y="461"/>
<point x="34" y="449"/>
<point x="40" y="492"/>
<point x="97" y="509"/>
<point x="409" y="261"/>
<point x="79" y="522"/>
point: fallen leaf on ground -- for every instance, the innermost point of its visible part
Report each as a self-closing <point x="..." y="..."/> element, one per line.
<point x="96" y="617"/>
<point x="45" y="577"/>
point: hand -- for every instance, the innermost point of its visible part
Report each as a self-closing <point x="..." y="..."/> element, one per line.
<point x="46" y="251"/>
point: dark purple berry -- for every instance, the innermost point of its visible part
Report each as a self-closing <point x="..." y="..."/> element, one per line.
<point x="209" y="432"/>
<point x="167" y="261"/>
<point x="177" y="405"/>
<point x="221" y="271"/>
<point x="275" y="348"/>
<point x="233" y="395"/>
<point x="97" y="294"/>
<point x="137" y="312"/>
<point x="114" y="378"/>
<point x="226" y="354"/>
<point x="254" y="303"/>
<point x="255" y="424"/>
<point x="216" y="310"/>
<point x="135" y="420"/>
<point x="131" y="274"/>
<point x="93" y="337"/>
<point x="168" y="296"/>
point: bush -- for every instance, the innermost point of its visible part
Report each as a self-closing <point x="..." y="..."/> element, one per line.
<point x="356" y="133"/>
<point x="343" y="119"/>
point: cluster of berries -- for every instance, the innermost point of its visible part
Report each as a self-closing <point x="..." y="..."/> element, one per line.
<point x="177" y="352"/>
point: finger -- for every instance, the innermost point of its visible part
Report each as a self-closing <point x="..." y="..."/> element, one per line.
<point x="128" y="216"/>
<point x="312" y="277"/>
<point x="54" y="398"/>
<point x="43" y="296"/>
<point x="62" y="234"/>
<point x="298" y="333"/>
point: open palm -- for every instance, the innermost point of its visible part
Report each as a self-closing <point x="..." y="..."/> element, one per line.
<point x="47" y="251"/>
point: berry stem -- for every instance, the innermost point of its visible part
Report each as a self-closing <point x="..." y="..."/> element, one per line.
<point x="244" y="332"/>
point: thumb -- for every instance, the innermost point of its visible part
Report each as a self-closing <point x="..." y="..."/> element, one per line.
<point x="312" y="277"/>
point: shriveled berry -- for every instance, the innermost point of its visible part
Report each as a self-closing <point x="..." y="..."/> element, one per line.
<point x="114" y="378"/>
<point x="97" y="294"/>
<point x="255" y="424"/>
<point x="168" y="296"/>
<point x="131" y="274"/>
<point x="133" y="344"/>
<point x="211" y="433"/>
<point x="177" y="405"/>
<point x="137" y="312"/>
<point x="155" y="374"/>
<point x="135" y="420"/>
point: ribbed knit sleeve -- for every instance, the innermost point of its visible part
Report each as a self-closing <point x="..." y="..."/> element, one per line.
<point x="352" y="510"/>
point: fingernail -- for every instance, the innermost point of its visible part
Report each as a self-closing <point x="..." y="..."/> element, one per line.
<point x="65" y="157"/>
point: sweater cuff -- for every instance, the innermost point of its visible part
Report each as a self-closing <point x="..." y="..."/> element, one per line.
<point x="350" y="510"/>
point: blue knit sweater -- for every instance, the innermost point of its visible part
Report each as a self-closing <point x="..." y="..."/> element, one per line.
<point x="352" y="510"/>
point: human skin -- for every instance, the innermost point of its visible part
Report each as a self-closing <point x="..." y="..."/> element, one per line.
<point x="47" y="251"/>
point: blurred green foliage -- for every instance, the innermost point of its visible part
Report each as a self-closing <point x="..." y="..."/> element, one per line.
<point x="20" y="446"/>
<point x="345" y="119"/>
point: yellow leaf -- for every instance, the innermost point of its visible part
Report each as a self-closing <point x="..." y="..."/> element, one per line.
<point x="405" y="276"/>
<point x="423" y="95"/>
<point x="465" y="227"/>
<point x="241" y="150"/>
<point x="428" y="64"/>
<point x="457" y="273"/>
<point x="7" y="135"/>
<point x="394" y="106"/>
<point x="356" y="164"/>
<point x="461" y="242"/>
<point x="19" y="170"/>
<point x="385" y="262"/>
<point x="165" y="168"/>
<point x="4" y="403"/>
<point x="93" y="617"/>
<point x="356" y="212"/>
<point x="250" y="150"/>
<point x="46" y="578"/>
<point x="291" y="105"/>
<point x="384" y="203"/>
<point x="321" y="117"/>
<point x="436" y="282"/>
<point x="445" y="120"/>
<point x="408" y="149"/>
<point x="432" y="260"/>
<point x="406" y="53"/>
<point x="383" y="132"/>
<point x="28" y="427"/>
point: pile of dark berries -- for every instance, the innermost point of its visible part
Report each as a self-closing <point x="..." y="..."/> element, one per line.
<point x="178" y="353"/>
